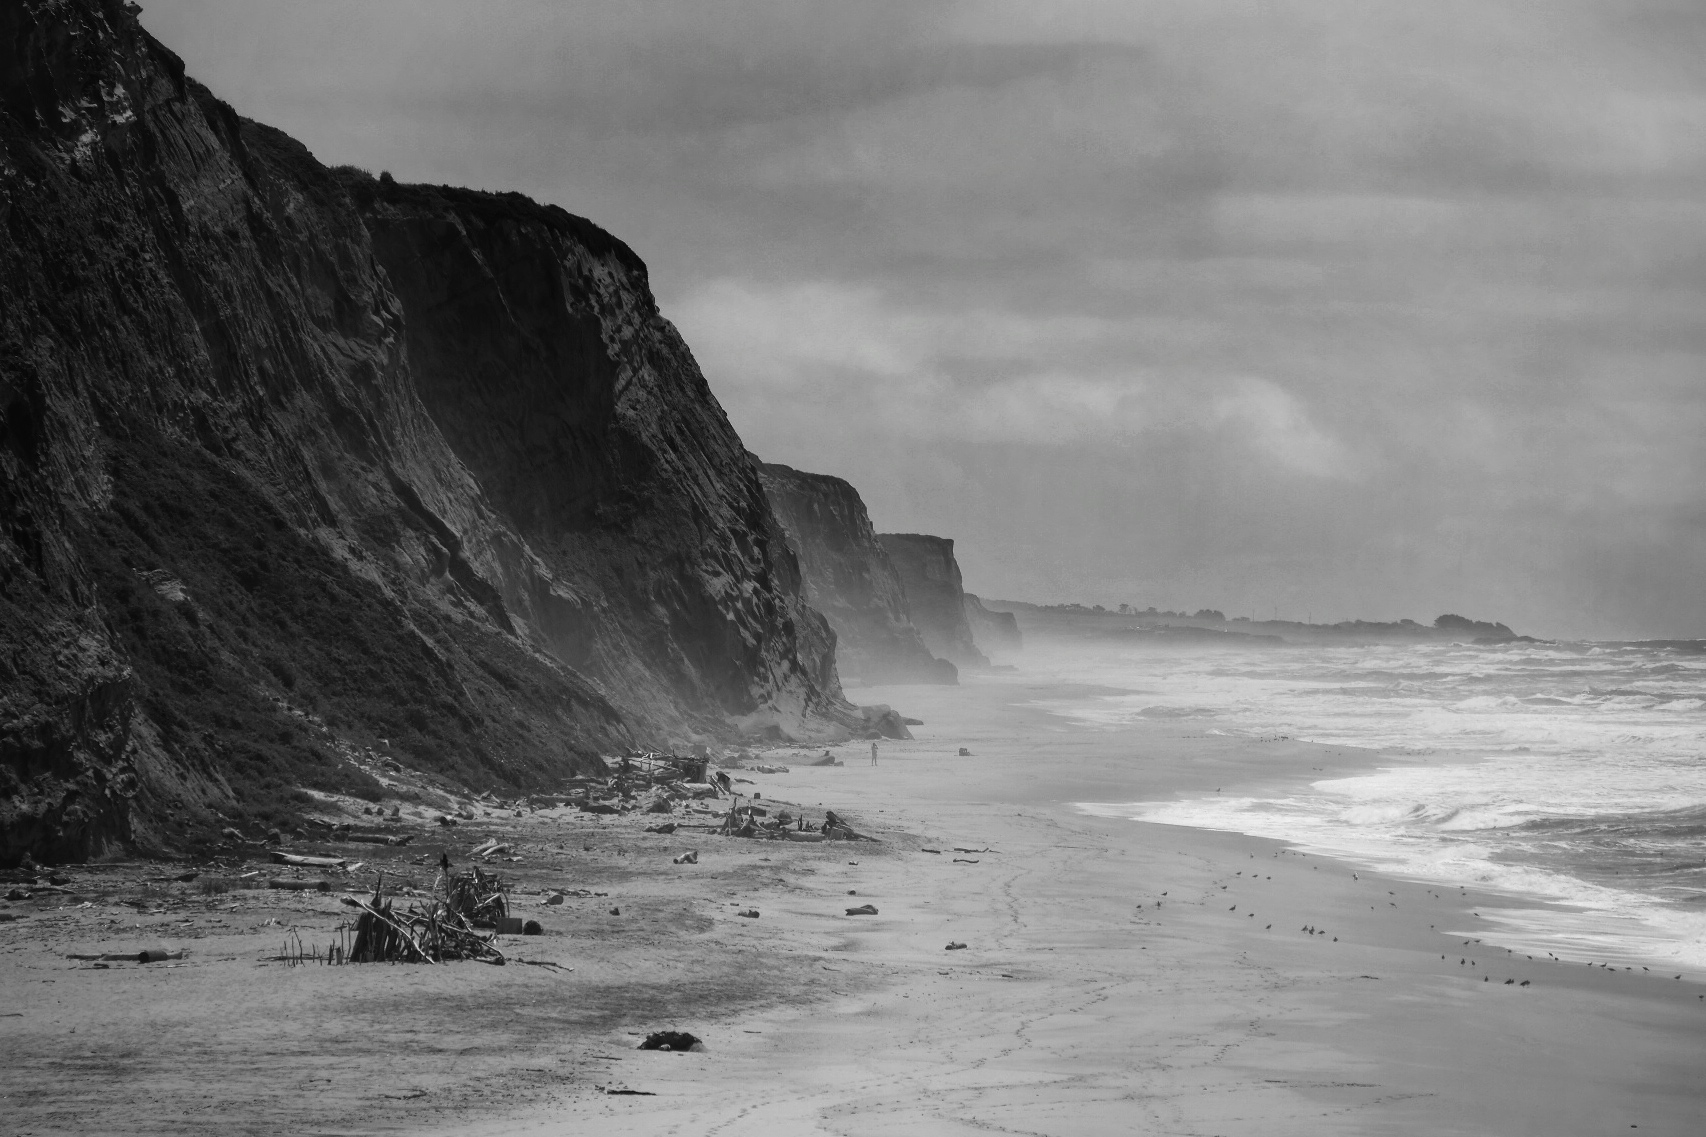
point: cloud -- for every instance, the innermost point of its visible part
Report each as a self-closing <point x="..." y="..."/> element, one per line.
<point x="814" y="353"/>
<point x="1279" y="425"/>
<point x="1392" y="308"/>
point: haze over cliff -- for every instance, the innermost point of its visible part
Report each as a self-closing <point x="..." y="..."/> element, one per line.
<point x="935" y="594"/>
<point x="850" y="579"/>
<point x="296" y="460"/>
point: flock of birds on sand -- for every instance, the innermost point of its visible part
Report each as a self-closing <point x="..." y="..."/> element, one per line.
<point x="1464" y="961"/>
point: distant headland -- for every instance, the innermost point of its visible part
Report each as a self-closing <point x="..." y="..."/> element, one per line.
<point x="1207" y="625"/>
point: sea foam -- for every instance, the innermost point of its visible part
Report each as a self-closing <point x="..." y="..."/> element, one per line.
<point x="1570" y="774"/>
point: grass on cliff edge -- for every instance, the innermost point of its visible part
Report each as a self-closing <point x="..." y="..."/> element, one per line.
<point x="272" y="620"/>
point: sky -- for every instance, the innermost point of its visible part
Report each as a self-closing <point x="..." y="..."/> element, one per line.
<point x="1321" y="309"/>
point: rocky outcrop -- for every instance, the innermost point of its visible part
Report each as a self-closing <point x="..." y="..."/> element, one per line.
<point x="296" y="462"/>
<point x="995" y="633"/>
<point x="934" y="595"/>
<point x="850" y="579"/>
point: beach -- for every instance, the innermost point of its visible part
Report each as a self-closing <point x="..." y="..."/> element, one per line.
<point x="1118" y="977"/>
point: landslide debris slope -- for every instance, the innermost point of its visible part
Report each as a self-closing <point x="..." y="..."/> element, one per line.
<point x="296" y="462"/>
<point x="850" y="579"/>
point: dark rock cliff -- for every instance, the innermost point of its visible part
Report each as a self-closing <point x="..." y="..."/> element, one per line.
<point x="934" y="594"/>
<point x="293" y="461"/>
<point x="850" y="579"/>
<point x="995" y="633"/>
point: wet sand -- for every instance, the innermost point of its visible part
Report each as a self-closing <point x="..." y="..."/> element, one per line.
<point x="1078" y="1007"/>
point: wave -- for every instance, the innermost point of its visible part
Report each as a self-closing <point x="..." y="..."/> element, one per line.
<point x="1573" y="773"/>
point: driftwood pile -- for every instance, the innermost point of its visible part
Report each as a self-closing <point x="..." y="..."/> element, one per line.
<point x="755" y="821"/>
<point x="446" y="926"/>
<point x="648" y="782"/>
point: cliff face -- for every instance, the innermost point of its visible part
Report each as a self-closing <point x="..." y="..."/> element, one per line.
<point x="537" y="350"/>
<point x="993" y="632"/>
<point x="850" y="579"/>
<point x="293" y="461"/>
<point x="934" y="594"/>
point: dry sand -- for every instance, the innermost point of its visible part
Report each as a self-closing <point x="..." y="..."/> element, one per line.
<point x="1079" y="1006"/>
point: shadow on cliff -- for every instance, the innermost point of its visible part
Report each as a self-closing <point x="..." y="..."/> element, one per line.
<point x="294" y="460"/>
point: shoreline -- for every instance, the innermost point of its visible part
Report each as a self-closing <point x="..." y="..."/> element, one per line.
<point x="1586" y="932"/>
<point x="1077" y="1008"/>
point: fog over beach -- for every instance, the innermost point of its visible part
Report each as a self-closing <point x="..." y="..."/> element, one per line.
<point x="1360" y="309"/>
<point x="919" y="567"/>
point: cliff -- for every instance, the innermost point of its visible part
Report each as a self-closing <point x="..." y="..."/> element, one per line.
<point x="296" y="462"/>
<point x="993" y="632"/>
<point x="934" y="595"/>
<point x="850" y="579"/>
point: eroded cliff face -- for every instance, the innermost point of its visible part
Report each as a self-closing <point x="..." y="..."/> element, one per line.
<point x="935" y="595"/>
<point x="650" y="561"/>
<point x="293" y="462"/>
<point x="995" y="633"/>
<point x="850" y="579"/>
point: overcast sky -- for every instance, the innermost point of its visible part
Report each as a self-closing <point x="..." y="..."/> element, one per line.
<point x="1331" y="307"/>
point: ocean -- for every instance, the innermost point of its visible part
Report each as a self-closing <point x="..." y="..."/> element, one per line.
<point x="1566" y="772"/>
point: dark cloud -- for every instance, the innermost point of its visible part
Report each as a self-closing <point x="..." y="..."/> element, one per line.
<point x="1342" y="306"/>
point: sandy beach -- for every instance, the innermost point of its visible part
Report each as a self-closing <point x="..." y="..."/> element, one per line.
<point x="460" y="467"/>
<point x="1118" y="977"/>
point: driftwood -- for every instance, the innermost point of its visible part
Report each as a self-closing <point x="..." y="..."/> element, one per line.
<point x="309" y="862"/>
<point x="837" y="829"/>
<point x="441" y="929"/>
<point x="148" y="955"/>
<point x="380" y="937"/>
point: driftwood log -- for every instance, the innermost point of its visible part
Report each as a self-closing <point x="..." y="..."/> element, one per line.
<point x="300" y="861"/>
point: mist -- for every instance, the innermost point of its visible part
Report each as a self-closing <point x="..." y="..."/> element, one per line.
<point x="1320" y="309"/>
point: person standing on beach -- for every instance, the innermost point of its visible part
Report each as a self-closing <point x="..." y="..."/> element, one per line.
<point x="873" y="753"/>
